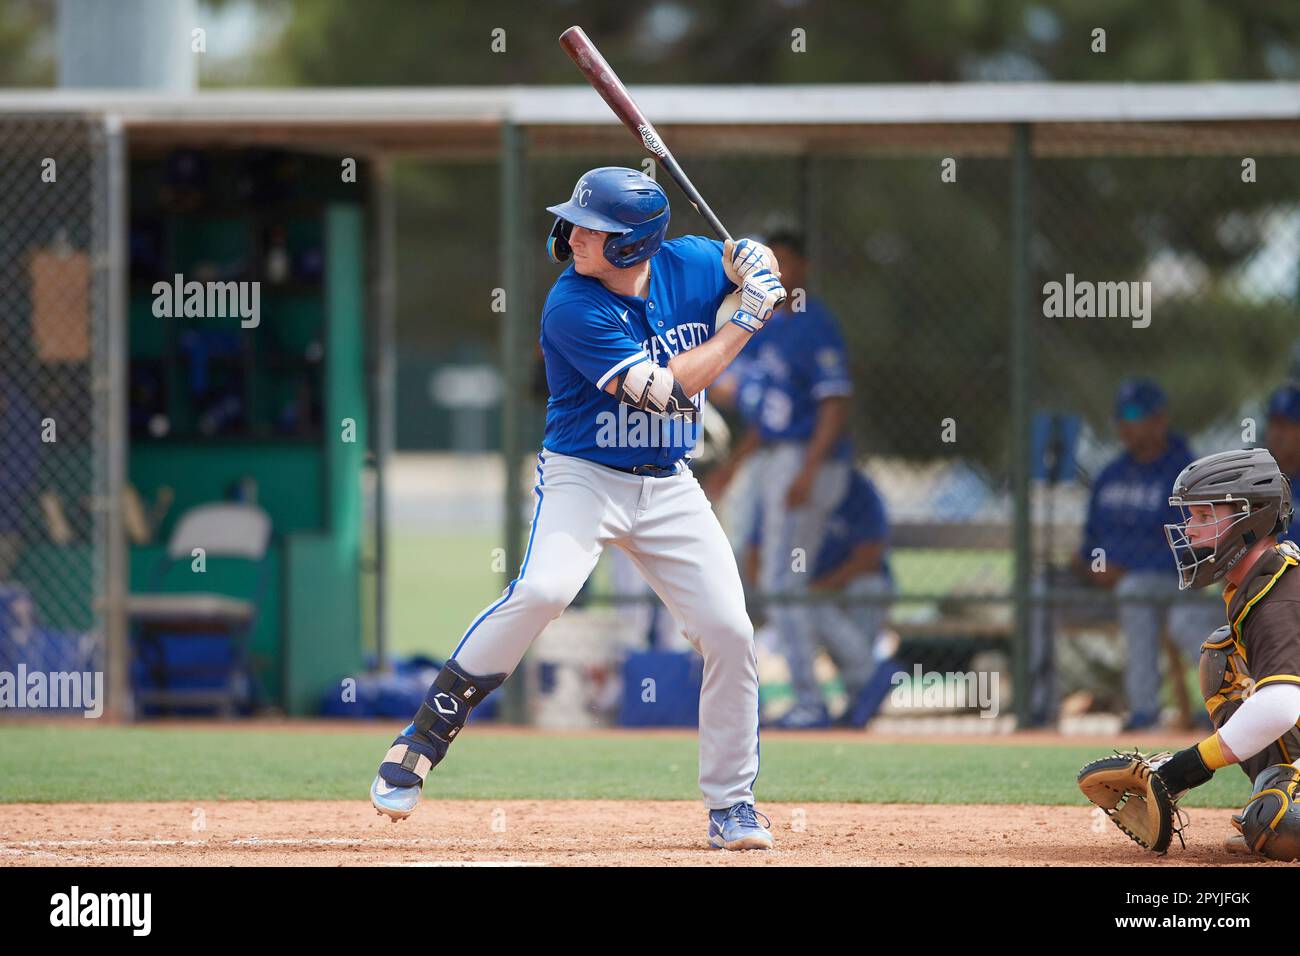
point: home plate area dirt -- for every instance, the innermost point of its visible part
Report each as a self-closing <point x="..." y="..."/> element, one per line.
<point x="578" y="833"/>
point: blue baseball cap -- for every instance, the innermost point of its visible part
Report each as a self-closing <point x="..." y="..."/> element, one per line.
<point x="1137" y="398"/>
<point x="1285" y="403"/>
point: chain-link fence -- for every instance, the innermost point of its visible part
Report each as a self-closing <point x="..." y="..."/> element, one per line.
<point x="54" y="389"/>
<point x="1199" y="224"/>
<point x="1025" y="497"/>
<point x="994" y="282"/>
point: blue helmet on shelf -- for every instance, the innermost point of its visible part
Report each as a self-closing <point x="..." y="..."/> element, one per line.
<point x="626" y="203"/>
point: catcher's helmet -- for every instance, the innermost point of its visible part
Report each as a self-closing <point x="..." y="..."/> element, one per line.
<point x="626" y="203"/>
<point x="1257" y="496"/>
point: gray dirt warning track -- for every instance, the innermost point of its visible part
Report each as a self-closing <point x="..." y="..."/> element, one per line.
<point x="577" y="833"/>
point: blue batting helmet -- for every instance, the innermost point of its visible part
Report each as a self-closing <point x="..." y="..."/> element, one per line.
<point x="626" y="203"/>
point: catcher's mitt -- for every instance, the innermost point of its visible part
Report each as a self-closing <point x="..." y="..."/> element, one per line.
<point x="1134" y="796"/>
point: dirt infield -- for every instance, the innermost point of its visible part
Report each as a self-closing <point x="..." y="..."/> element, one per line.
<point x="576" y="833"/>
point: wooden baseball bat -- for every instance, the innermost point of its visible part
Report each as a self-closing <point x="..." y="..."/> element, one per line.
<point x="601" y="75"/>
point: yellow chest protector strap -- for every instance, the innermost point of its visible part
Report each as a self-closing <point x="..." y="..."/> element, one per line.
<point x="1274" y="575"/>
<point x="1223" y="666"/>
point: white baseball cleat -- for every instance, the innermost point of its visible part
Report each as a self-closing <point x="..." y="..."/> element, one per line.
<point x="739" y="829"/>
<point x="396" y="803"/>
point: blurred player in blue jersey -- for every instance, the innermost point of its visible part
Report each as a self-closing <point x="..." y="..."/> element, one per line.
<point x="1123" y="544"/>
<point x="853" y="560"/>
<point x="801" y="459"/>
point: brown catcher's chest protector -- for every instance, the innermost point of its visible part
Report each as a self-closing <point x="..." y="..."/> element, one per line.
<point x="1225" y="674"/>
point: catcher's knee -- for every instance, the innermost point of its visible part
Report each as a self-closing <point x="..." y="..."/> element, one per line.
<point x="1270" y="822"/>
<point x="422" y="745"/>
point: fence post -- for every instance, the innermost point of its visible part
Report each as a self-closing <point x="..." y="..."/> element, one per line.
<point x="514" y="279"/>
<point x="117" y="658"/>
<point x="384" y="363"/>
<point x="1021" y="399"/>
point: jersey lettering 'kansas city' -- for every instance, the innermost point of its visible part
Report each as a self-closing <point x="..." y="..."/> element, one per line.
<point x="590" y="334"/>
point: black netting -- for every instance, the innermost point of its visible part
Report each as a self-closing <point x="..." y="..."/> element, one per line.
<point x="919" y="272"/>
<point x="53" y="392"/>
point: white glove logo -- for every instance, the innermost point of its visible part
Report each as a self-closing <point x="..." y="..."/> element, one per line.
<point x="759" y="296"/>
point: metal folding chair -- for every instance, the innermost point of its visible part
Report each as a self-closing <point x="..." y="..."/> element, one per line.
<point x="223" y="530"/>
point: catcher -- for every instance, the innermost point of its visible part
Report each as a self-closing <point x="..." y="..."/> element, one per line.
<point x="1234" y="506"/>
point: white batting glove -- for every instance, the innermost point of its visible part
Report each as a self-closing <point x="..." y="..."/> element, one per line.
<point x="741" y="259"/>
<point x="760" y="294"/>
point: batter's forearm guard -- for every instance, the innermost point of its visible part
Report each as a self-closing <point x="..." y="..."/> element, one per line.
<point x="653" y="388"/>
<point x="422" y="745"/>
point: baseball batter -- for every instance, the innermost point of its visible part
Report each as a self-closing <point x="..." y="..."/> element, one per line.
<point x="632" y="333"/>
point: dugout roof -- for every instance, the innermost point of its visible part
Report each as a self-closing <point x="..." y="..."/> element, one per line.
<point x="450" y="122"/>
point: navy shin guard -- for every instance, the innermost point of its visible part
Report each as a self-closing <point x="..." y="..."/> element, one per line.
<point x="424" y="742"/>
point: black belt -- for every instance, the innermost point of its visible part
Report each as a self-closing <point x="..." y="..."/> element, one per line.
<point x="647" y="471"/>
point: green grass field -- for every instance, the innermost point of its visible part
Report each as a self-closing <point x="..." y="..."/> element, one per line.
<point x="437" y="584"/>
<point x="52" y="764"/>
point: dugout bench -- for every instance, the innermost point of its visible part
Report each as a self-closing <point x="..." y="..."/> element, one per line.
<point x="967" y="623"/>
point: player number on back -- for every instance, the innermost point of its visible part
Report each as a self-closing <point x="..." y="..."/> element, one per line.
<point x="777" y="410"/>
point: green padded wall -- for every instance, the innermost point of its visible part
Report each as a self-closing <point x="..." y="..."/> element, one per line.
<point x="309" y="633"/>
<point x="323" y="639"/>
<point x="323" y="613"/>
<point x="290" y="485"/>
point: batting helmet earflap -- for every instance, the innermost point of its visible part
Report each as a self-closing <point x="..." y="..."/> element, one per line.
<point x="626" y="203"/>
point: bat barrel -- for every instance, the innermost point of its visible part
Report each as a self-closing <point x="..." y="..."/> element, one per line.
<point x="600" y="75"/>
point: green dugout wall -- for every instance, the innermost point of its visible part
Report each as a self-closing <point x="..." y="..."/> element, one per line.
<point x="279" y="412"/>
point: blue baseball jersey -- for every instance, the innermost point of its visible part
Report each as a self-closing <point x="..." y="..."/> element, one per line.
<point x="1130" y="507"/>
<point x="858" y="519"/>
<point x="590" y="334"/>
<point x="746" y="374"/>
<point x="803" y="360"/>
